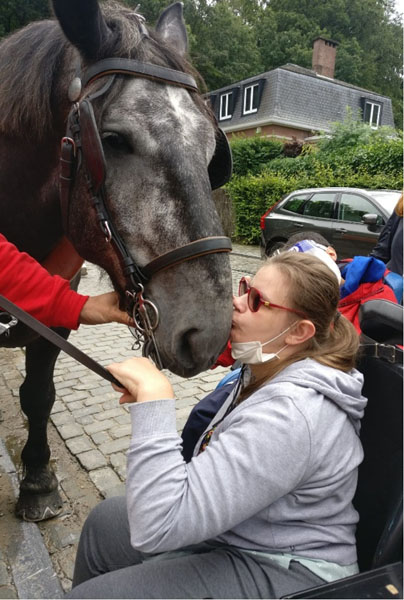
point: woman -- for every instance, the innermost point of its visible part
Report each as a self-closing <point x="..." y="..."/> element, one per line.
<point x="264" y="507"/>
<point x="389" y="247"/>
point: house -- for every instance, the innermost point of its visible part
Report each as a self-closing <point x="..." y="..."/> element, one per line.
<point x="295" y="102"/>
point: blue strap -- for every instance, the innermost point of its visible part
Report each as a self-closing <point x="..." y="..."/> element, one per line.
<point x="395" y="281"/>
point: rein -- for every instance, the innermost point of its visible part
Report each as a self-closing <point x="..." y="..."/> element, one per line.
<point x="82" y="141"/>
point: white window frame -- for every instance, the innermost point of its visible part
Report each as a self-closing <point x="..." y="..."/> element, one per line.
<point x="373" y="105"/>
<point x="225" y="103"/>
<point x="249" y="110"/>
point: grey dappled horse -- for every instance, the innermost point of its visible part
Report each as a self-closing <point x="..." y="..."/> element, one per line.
<point x="158" y="140"/>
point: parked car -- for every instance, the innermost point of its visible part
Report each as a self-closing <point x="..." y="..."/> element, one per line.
<point x="351" y="219"/>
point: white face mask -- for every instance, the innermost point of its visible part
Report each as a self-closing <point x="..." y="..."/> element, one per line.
<point x="251" y="352"/>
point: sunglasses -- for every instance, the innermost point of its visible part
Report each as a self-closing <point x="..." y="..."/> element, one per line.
<point x="255" y="299"/>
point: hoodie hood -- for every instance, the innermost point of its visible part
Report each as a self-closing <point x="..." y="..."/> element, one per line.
<point x="344" y="389"/>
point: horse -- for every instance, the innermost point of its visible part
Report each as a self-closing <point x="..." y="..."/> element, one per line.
<point x="139" y="157"/>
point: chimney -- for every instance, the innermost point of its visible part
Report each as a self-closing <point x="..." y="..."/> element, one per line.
<point x="323" y="59"/>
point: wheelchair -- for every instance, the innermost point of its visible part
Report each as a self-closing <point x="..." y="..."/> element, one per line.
<point x="379" y="495"/>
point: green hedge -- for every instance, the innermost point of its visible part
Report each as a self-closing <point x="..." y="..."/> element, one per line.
<point x="253" y="195"/>
<point x="250" y="155"/>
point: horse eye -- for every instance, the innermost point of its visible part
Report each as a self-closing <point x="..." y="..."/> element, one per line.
<point x="116" y="142"/>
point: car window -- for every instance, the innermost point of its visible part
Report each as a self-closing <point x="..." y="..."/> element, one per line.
<point x="320" y="205"/>
<point x="352" y="208"/>
<point x="296" y="203"/>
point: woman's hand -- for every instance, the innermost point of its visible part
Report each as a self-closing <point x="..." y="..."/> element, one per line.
<point x="141" y="381"/>
<point x="103" y="309"/>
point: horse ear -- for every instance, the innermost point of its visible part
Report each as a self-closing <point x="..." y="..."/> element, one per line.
<point x="84" y="26"/>
<point x="171" y="27"/>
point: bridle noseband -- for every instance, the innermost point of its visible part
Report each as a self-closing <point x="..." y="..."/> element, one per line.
<point x="82" y="143"/>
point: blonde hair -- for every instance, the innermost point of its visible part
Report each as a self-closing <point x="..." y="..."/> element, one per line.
<point x="399" y="207"/>
<point x="313" y="289"/>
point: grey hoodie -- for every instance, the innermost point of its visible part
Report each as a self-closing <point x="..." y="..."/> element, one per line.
<point x="278" y="475"/>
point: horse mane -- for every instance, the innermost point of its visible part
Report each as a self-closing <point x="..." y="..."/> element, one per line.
<point x="33" y="59"/>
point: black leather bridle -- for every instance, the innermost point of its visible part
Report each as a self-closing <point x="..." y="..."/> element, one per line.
<point x="82" y="144"/>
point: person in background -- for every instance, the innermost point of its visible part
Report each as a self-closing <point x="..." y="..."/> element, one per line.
<point x="264" y="508"/>
<point x="361" y="278"/>
<point x="49" y="298"/>
<point x="389" y="247"/>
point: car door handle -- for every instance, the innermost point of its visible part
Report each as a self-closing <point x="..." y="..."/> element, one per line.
<point x="298" y="224"/>
<point x="341" y="230"/>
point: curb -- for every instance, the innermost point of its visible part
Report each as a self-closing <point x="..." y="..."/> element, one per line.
<point x="26" y="555"/>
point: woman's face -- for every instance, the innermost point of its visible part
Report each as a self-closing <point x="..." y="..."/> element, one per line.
<point x="267" y="322"/>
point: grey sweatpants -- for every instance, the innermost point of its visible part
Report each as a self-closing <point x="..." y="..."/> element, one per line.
<point x="108" y="567"/>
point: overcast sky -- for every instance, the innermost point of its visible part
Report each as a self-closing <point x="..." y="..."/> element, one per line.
<point x="400" y="6"/>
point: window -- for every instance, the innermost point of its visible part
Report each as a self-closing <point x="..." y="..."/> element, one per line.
<point x="352" y="208"/>
<point x="371" y="114"/>
<point x="296" y="203"/>
<point x="226" y="102"/>
<point x="321" y="205"/>
<point x="251" y="99"/>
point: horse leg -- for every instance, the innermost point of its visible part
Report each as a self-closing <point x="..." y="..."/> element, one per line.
<point x="39" y="497"/>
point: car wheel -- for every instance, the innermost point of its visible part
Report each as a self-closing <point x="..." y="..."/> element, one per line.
<point x="272" y="247"/>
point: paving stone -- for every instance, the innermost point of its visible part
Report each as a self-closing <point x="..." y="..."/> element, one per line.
<point x="7" y="592"/>
<point x="61" y="537"/>
<point x="115" y="446"/>
<point x="87" y="410"/>
<point x="108" y="414"/>
<point x="119" y="461"/>
<point x="86" y="420"/>
<point x="123" y="419"/>
<point x="5" y="578"/>
<point x="57" y="407"/>
<point x="66" y="383"/>
<point x="100" y="437"/>
<point x="70" y="431"/>
<point x="80" y="444"/>
<point x="105" y="479"/>
<point x="103" y="425"/>
<point x="76" y="405"/>
<point x="93" y="459"/>
<point x="62" y="418"/>
<point x="118" y="432"/>
<point x="75" y="396"/>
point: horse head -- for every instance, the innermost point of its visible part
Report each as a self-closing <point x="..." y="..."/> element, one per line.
<point x="157" y="147"/>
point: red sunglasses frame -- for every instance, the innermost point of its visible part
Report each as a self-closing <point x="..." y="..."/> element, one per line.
<point x="244" y="287"/>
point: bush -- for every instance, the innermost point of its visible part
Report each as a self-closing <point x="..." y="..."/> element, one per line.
<point x="251" y="154"/>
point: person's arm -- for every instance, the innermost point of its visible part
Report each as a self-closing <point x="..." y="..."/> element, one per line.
<point x="49" y="298"/>
<point x="172" y="504"/>
<point x="382" y="250"/>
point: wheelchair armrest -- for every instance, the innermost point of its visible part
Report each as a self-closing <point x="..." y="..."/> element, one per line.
<point x="382" y="321"/>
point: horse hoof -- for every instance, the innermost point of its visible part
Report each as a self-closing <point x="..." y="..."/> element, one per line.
<point x="39" y="507"/>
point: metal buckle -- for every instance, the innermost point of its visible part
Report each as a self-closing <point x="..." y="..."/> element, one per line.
<point x="5" y="326"/>
<point x="386" y="351"/>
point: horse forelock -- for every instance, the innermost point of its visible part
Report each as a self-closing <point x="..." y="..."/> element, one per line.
<point x="37" y="63"/>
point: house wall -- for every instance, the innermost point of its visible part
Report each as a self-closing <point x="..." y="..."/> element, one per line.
<point x="287" y="133"/>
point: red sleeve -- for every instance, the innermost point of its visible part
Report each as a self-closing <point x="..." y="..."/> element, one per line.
<point x="47" y="298"/>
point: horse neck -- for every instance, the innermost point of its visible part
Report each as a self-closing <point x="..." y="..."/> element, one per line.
<point x="29" y="201"/>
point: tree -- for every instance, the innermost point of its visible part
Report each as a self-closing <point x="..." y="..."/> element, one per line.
<point x="17" y="13"/>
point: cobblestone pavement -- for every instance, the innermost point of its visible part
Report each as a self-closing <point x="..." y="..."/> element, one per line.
<point x="89" y="435"/>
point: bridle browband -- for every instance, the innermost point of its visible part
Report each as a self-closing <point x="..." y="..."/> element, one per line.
<point x="82" y="141"/>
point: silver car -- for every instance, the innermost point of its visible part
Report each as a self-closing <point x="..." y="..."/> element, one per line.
<point x="351" y="219"/>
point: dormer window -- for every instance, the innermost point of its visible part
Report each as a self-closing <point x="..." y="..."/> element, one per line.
<point x="226" y="106"/>
<point x="371" y="113"/>
<point x="250" y="104"/>
<point x="252" y="93"/>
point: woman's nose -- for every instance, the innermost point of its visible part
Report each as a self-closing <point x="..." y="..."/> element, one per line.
<point x="240" y="303"/>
